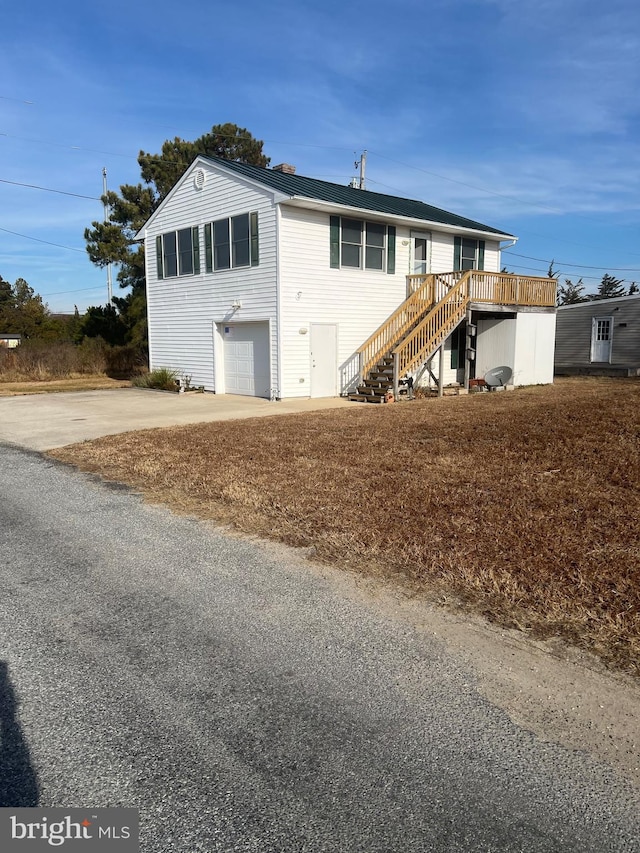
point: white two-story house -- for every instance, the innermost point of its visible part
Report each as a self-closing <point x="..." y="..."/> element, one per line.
<point x="268" y="283"/>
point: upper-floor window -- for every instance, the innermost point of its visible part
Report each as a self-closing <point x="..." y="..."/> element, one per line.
<point x="468" y="254"/>
<point x="178" y="252"/>
<point x="231" y="242"/>
<point x="358" y="244"/>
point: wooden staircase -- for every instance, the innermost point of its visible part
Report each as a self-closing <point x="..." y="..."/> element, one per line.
<point x="377" y="383"/>
<point x="413" y="336"/>
<point x="423" y="322"/>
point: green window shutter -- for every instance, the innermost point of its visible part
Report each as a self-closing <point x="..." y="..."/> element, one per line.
<point x="195" y="247"/>
<point x="208" y="252"/>
<point x="391" y="249"/>
<point x="159" y="256"/>
<point x="457" y="253"/>
<point x="253" y="217"/>
<point x="480" y="254"/>
<point x="334" y="241"/>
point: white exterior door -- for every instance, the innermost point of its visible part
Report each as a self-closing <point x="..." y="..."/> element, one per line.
<point x="324" y="359"/>
<point x="601" y="337"/>
<point x="420" y="252"/>
<point x="247" y="368"/>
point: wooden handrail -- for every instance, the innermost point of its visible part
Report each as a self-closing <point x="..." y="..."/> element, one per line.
<point x="397" y="325"/>
<point x="433" y="330"/>
<point x="507" y="289"/>
<point x="439" y="292"/>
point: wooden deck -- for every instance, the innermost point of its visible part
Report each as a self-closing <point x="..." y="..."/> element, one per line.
<point x="436" y="304"/>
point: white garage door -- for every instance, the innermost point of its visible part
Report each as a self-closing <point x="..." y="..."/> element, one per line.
<point x="246" y="359"/>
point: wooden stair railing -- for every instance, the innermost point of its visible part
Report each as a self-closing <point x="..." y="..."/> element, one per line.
<point x="437" y="303"/>
<point x="426" y="291"/>
<point x="395" y="327"/>
<point x="433" y="330"/>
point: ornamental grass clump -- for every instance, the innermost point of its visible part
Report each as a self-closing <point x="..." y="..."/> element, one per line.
<point x="161" y="379"/>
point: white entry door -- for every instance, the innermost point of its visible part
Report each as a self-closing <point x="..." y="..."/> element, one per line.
<point x="420" y="252"/>
<point x="601" y="337"/>
<point x="247" y="368"/>
<point x="324" y="360"/>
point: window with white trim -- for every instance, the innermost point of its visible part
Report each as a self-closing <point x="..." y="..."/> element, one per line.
<point x="468" y="254"/>
<point x="178" y="253"/>
<point x="359" y="244"/>
<point x="232" y="242"/>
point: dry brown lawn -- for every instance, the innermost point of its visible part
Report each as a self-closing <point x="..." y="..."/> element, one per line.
<point x="52" y="386"/>
<point x="524" y="505"/>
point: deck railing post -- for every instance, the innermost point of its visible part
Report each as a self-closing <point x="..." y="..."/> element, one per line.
<point x="396" y="375"/>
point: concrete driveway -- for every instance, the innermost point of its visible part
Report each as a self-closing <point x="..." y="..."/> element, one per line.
<point x="45" y="421"/>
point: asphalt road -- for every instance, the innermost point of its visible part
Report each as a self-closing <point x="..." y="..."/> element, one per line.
<point x="229" y="691"/>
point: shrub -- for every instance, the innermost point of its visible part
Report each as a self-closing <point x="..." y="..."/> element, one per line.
<point x="39" y="361"/>
<point x="161" y="379"/>
<point x="126" y="361"/>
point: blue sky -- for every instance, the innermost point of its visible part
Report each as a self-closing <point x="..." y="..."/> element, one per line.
<point x="523" y="114"/>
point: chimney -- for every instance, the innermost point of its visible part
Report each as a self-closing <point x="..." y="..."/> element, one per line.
<point x="287" y="168"/>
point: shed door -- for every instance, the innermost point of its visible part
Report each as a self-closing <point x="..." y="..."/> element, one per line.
<point x="247" y="367"/>
<point x="601" y="337"/>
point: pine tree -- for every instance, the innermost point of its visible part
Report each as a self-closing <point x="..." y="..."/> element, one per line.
<point x="571" y="293"/>
<point x="111" y="242"/>
<point x="610" y="287"/>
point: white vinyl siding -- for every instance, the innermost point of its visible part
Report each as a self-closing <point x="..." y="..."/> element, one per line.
<point x="442" y="253"/>
<point x="357" y="300"/>
<point x="183" y="311"/>
<point x="524" y="343"/>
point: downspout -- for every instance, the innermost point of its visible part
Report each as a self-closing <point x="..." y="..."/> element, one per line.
<point x="276" y="393"/>
<point x="147" y="294"/>
<point x="504" y="249"/>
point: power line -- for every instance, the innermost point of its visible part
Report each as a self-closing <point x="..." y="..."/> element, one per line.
<point x="63" y="292"/>
<point x="312" y="145"/>
<point x="38" y="240"/>
<point x="492" y="192"/>
<point x="64" y="145"/>
<point x="16" y="100"/>
<point x="557" y="276"/>
<point x="468" y="186"/>
<point x="569" y="264"/>
<point x="48" y="189"/>
<point x="159" y="158"/>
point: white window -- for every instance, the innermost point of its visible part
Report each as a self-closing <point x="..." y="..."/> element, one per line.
<point x="357" y="244"/>
<point x="468" y="254"/>
<point x="231" y="242"/>
<point x="178" y="253"/>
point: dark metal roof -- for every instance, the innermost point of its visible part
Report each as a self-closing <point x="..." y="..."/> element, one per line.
<point x="311" y="188"/>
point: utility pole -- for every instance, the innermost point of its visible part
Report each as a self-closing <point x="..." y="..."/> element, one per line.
<point x="106" y="219"/>
<point x="362" y="164"/>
